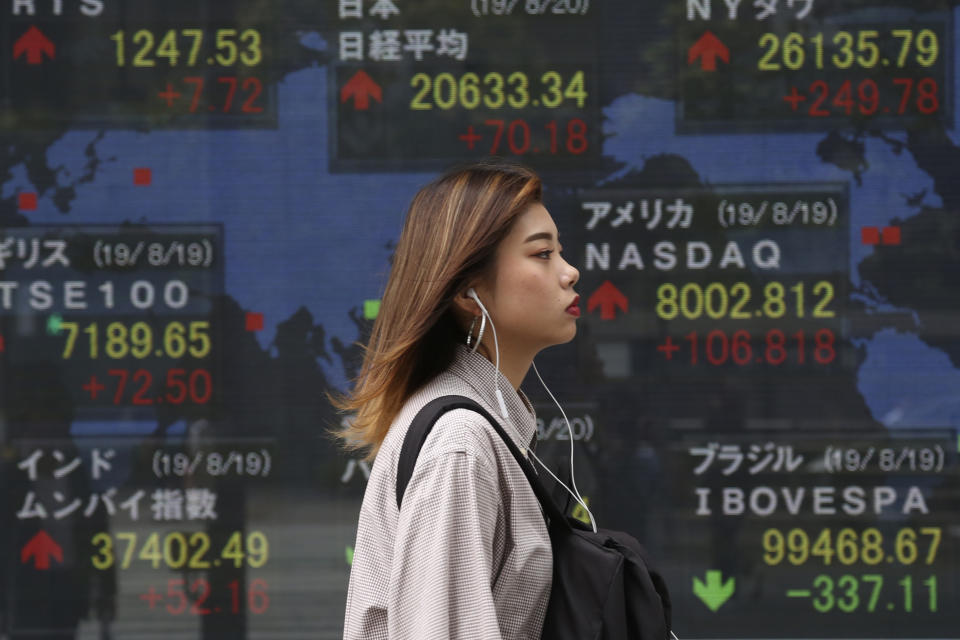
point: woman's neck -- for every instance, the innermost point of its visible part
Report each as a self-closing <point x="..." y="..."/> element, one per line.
<point x="513" y="365"/>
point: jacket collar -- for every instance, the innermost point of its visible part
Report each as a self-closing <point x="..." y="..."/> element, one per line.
<point x="479" y="373"/>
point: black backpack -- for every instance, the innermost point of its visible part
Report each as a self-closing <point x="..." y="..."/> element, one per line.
<point x="603" y="586"/>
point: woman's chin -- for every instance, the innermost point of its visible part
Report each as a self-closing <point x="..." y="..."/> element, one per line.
<point x="568" y="335"/>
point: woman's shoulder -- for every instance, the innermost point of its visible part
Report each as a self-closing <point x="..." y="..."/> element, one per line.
<point x="457" y="431"/>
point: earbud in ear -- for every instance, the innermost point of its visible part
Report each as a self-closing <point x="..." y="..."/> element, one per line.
<point x="471" y="293"/>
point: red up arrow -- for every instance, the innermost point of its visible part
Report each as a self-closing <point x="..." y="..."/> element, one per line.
<point x="608" y="298"/>
<point x="34" y="44"/>
<point x="361" y="88"/>
<point x="708" y="48"/>
<point x="42" y="547"/>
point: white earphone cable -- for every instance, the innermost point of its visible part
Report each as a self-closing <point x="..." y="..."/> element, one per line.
<point x="496" y="366"/>
<point x="504" y="413"/>
<point x="573" y="479"/>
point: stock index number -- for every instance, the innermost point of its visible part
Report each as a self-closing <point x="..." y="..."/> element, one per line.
<point x="845" y="49"/>
<point x="140" y="340"/>
<point x="176" y="550"/>
<point x="849" y="546"/>
<point x="718" y="301"/>
<point x="867" y="593"/>
<point x="495" y="90"/>
<point x="230" y="46"/>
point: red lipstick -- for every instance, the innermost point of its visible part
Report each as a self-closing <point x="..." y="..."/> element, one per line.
<point x="573" y="309"/>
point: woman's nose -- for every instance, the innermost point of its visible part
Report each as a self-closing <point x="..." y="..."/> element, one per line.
<point x="572" y="275"/>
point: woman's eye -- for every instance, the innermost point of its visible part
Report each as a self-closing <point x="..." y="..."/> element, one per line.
<point x="544" y="254"/>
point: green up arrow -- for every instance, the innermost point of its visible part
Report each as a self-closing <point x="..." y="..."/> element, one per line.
<point x="715" y="592"/>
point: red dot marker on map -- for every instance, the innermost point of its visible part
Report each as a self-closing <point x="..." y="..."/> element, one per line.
<point x="142" y="176"/>
<point x="890" y="235"/>
<point x="869" y="235"/>
<point x="254" y="321"/>
<point x="27" y="201"/>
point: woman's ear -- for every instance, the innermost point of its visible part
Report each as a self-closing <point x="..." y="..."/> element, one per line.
<point x="465" y="305"/>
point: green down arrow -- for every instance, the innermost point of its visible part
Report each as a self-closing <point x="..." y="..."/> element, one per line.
<point x="715" y="592"/>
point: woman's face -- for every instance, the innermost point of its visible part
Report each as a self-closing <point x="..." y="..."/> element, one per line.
<point x="529" y="293"/>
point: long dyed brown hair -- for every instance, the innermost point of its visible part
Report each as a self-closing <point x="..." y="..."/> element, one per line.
<point x="449" y="240"/>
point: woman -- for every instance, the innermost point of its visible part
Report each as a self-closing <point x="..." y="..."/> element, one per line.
<point x="468" y="555"/>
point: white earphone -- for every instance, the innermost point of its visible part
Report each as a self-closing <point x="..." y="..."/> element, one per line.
<point x="471" y="293"/>
<point x="496" y="347"/>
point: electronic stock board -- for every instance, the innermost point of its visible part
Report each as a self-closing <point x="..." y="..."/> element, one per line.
<point x="198" y="205"/>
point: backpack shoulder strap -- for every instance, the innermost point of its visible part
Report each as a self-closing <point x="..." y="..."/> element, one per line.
<point x="420" y="428"/>
<point x="423" y="423"/>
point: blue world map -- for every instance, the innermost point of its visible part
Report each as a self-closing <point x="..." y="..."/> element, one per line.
<point x="299" y="236"/>
<point x="308" y="247"/>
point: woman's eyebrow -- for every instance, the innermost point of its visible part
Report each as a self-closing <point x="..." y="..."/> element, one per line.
<point x="542" y="235"/>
